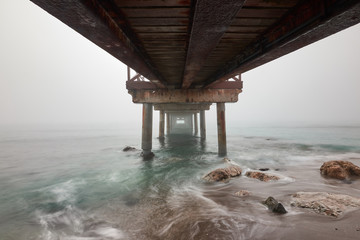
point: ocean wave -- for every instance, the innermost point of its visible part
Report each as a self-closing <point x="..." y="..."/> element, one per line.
<point x="72" y="223"/>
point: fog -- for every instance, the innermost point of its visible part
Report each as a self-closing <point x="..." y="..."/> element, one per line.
<point x="51" y="76"/>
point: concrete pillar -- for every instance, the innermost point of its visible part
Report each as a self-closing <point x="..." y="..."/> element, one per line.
<point x="161" y="124"/>
<point x="196" y="124"/>
<point x="146" y="143"/>
<point x="168" y="123"/>
<point x="202" y="124"/>
<point x="220" y="107"/>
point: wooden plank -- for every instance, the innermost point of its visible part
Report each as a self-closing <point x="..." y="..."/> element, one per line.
<point x="147" y="36"/>
<point x="262" y="12"/>
<point x="242" y="21"/>
<point x="246" y="29"/>
<point x="240" y="35"/>
<point x="172" y="21"/>
<point x="160" y="29"/>
<point x="156" y="12"/>
<point x="267" y="3"/>
<point x="152" y="3"/>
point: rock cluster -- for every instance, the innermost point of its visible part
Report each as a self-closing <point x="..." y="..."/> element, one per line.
<point x="339" y="169"/>
<point x="325" y="203"/>
<point x="261" y="176"/>
<point x="274" y="205"/>
<point x="223" y="174"/>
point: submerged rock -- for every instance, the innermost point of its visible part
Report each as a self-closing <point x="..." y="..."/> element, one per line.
<point x="339" y="169"/>
<point x="261" y="176"/>
<point x="329" y="204"/>
<point x="242" y="193"/>
<point x="128" y="149"/>
<point x="264" y="169"/>
<point x="223" y="174"/>
<point x="274" y="205"/>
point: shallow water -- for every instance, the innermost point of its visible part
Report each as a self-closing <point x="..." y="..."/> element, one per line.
<point x="81" y="185"/>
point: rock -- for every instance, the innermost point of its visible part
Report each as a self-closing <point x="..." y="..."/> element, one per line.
<point x="242" y="193"/>
<point x="274" y="205"/>
<point x="261" y="176"/>
<point x="329" y="204"/>
<point x="339" y="169"/>
<point x="233" y="170"/>
<point x="128" y="148"/>
<point x="223" y="174"/>
<point x="264" y="169"/>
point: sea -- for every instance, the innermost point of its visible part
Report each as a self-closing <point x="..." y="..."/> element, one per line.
<point x="69" y="184"/>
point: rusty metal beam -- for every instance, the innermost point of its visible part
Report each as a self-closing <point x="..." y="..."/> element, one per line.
<point x="210" y="21"/>
<point x="185" y="95"/>
<point x="91" y="20"/>
<point x="308" y="22"/>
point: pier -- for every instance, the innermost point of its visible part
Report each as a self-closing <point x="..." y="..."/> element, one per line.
<point x="189" y="55"/>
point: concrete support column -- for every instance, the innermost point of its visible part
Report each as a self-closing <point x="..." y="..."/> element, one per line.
<point x="168" y="123"/>
<point x="220" y="107"/>
<point x="196" y="124"/>
<point x="161" y="124"/>
<point x="146" y="143"/>
<point x="202" y="124"/>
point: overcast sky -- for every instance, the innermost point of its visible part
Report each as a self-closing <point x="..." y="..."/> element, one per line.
<point x="52" y="76"/>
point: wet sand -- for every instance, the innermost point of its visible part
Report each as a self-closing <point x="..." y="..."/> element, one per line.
<point x="212" y="211"/>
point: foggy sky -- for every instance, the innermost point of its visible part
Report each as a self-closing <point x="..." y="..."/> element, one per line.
<point x="52" y="76"/>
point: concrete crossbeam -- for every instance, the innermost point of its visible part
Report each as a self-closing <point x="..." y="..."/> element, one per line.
<point x="181" y="107"/>
<point x="185" y="95"/>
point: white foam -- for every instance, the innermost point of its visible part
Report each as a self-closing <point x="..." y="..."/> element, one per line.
<point x="109" y="233"/>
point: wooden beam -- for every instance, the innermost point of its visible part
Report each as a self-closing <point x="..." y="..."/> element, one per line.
<point x="308" y="22"/>
<point x="90" y="19"/>
<point x="185" y="95"/>
<point x="211" y="20"/>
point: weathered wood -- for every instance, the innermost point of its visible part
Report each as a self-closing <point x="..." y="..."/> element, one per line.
<point x="221" y="128"/>
<point x="92" y="21"/>
<point x="152" y="3"/>
<point x="185" y="95"/>
<point x="308" y="22"/>
<point x="210" y="22"/>
<point x="191" y="44"/>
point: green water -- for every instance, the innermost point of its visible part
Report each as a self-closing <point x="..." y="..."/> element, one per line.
<point x="81" y="185"/>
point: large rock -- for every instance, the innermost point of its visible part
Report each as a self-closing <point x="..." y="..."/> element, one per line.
<point x="274" y="205"/>
<point x="329" y="204"/>
<point x="339" y="169"/>
<point x="261" y="176"/>
<point x="223" y="174"/>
